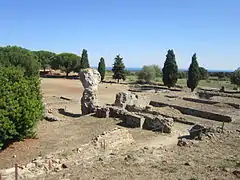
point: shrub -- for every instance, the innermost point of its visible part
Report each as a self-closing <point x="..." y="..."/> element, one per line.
<point x="182" y="74"/>
<point x="203" y="73"/>
<point x="20" y="104"/>
<point x="235" y="78"/>
<point x="149" y="73"/>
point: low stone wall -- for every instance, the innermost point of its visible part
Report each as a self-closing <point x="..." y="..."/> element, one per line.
<point x="209" y="94"/>
<point x="137" y="119"/>
<point x="204" y="101"/>
<point x="195" y="112"/>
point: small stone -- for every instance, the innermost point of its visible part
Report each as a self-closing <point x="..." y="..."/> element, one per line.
<point x="48" y="157"/>
<point x="236" y="173"/>
<point x="226" y="169"/>
<point x="146" y="148"/>
<point x="64" y="166"/>
<point x="182" y="142"/>
<point x="39" y="164"/>
<point x="57" y="169"/>
<point x="57" y="161"/>
<point x="100" y="159"/>
<point x="187" y="164"/>
<point x="30" y="165"/>
<point x="14" y="156"/>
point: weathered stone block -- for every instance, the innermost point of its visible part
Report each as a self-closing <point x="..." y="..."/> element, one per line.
<point x="158" y="123"/>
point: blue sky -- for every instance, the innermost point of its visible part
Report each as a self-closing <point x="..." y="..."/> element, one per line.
<point x="140" y="30"/>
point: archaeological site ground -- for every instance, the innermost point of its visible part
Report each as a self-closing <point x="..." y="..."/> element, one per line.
<point x="107" y="130"/>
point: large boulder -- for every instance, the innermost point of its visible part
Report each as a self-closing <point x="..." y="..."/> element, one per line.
<point x="90" y="79"/>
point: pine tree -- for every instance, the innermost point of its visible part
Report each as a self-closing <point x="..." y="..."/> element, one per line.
<point x="102" y="68"/>
<point x="84" y="60"/>
<point x="118" y="68"/>
<point x="193" y="74"/>
<point x="170" y="70"/>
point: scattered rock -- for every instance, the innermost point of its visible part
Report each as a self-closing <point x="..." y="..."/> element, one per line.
<point x="182" y="142"/>
<point x="145" y="147"/>
<point x="39" y="164"/>
<point x="64" y="166"/>
<point x="226" y="169"/>
<point x="197" y="131"/>
<point x="236" y="173"/>
<point x="51" y="117"/>
<point x="57" y="161"/>
<point x="187" y="164"/>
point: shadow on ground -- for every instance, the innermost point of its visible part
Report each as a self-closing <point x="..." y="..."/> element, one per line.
<point x="69" y="114"/>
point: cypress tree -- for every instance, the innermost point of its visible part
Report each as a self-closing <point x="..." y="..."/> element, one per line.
<point x="170" y="70"/>
<point x="84" y="60"/>
<point x="193" y="74"/>
<point x="118" y="68"/>
<point x="102" y="68"/>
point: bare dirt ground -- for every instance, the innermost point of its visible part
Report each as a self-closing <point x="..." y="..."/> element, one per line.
<point x="153" y="156"/>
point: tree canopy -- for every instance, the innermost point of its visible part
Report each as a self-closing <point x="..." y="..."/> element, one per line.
<point x="149" y="73"/>
<point x="170" y="70"/>
<point x="67" y="62"/>
<point x="102" y="68"/>
<point x="193" y="74"/>
<point x="84" y="63"/>
<point x="45" y="58"/>
<point x="203" y="73"/>
<point x="118" y="68"/>
<point x="21" y="57"/>
<point x="235" y="78"/>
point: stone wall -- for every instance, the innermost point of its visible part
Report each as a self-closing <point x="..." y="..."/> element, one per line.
<point x="195" y="112"/>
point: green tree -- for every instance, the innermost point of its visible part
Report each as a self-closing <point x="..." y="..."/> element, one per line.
<point x="67" y="62"/>
<point x="170" y="70"/>
<point x="149" y="73"/>
<point x="182" y="75"/>
<point x="84" y="60"/>
<point x="193" y="74"/>
<point x="20" y="104"/>
<point x="17" y="56"/>
<point x="45" y="58"/>
<point x="235" y="78"/>
<point x="118" y="69"/>
<point x="102" y="68"/>
<point x="203" y="73"/>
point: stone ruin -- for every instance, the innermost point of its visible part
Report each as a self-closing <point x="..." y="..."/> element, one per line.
<point x="90" y="79"/>
<point x="108" y="142"/>
<point x="134" y="110"/>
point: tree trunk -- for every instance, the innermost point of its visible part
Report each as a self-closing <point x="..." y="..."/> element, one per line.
<point x="44" y="70"/>
<point x="67" y="74"/>
<point x="118" y="81"/>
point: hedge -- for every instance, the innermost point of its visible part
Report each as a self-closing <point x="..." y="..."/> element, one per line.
<point x="20" y="105"/>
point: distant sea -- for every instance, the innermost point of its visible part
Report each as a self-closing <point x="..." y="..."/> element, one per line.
<point x="139" y="69"/>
